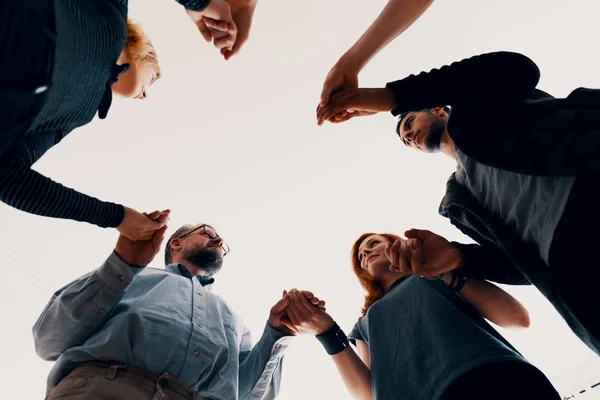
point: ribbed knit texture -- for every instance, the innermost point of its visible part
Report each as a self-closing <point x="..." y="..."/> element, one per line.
<point x="90" y="36"/>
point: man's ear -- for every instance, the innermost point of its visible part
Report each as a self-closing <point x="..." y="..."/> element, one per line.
<point x="439" y="111"/>
<point x="175" y="244"/>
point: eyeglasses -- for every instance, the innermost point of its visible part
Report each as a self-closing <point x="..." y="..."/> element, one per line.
<point x="209" y="232"/>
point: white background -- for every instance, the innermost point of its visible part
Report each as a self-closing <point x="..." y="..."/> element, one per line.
<point x="235" y="144"/>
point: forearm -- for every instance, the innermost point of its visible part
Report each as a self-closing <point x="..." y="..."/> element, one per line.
<point x="499" y="76"/>
<point x="78" y="310"/>
<point x="492" y="303"/>
<point x="395" y="18"/>
<point x="261" y="364"/>
<point x="29" y="191"/>
<point x="354" y="373"/>
<point x="486" y="262"/>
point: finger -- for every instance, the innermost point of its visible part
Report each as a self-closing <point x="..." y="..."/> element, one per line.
<point x="293" y="316"/>
<point x="216" y="25"/>
<point x="325" y="93"/>
<point x="344" y="119"/>
<point x="204" y="31"/>
<point x="158" y="238"/>
<point x="280" y="306"/>
<point x="153" y="215"/>
<point x="321" y="305"/>
<point x="331" y="110"/>
<point x="404" y="258"/>
<point x="297" y="306"/>
<point x="416" y="260"/>
<point x="420" y="234"/>
<point x="309" y="295"/>
<point x="284" y="293"/>
<point x="305" y="305"/>
<point x="224" y="42"/>
<point x="236" y="47"/>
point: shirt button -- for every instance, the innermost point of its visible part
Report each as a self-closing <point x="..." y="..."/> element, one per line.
<point x="199" y="293"/>
<point x="196" y="353"/>
<point x="277" y="346"/>
<point x="200" y="308"/>
<point x="199" y="325"/>
<point x="101" y="310"/>
<point x="121" y="278"/>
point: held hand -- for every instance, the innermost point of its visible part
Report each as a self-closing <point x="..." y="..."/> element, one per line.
<point x="305" y="317"/>
<point x="141" y="252"/>
<point x="426" y="253"/>
<point x="355" y="102"/>
<point x="341" y="76"/>
<point x="279" y="318"/>
<point x="216" y="22"/>
<point x="242" y="12"/>
<point x="137" y="226"/>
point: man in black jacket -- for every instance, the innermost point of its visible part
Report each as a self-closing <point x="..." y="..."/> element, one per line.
<point x="527" y="167"/>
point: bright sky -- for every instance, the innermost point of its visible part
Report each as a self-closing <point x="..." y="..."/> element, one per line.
<point x="235" y="144"/>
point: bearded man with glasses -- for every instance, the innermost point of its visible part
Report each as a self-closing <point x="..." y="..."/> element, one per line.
<point x="127" y="331"/>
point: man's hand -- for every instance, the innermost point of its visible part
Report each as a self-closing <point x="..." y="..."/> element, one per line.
<point x="423" y="253"/>
<point x="137" y="226"/>
<point x="216" y="22"/>
<point x="306" y="317"/>
<point x="141" y="252"/>
<point x="279" y="318"/>
<point x="355" y="102"/>
<point x="242" y="12"/>
<point x="342" y="76"/>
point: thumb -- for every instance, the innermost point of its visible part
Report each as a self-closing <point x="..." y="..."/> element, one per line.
<point x="420" y="234"/>
<point x="280" y="306"/>
<point x="325" y="93"/>
<point x="153" y="215"/>
<point x="158" y="237"/>
<point x="204" y="31"/>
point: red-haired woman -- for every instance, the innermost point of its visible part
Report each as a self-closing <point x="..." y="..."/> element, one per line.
<point x="60" y="63"/>
<point x="424" y="339"/>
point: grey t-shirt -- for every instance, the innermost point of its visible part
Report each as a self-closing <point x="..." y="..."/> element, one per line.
<point x="422" y="336"/>
<point x="532" y="205"/>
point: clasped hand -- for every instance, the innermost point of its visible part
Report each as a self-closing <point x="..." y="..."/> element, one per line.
<point x="299" y="312"/>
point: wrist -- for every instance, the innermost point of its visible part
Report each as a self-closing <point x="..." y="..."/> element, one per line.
<point x="350" y="62"/>
<point x="328" y="328"/>
<point x="334" y="340"/>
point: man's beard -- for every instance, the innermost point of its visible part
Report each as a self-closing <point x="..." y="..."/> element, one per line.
<point x="209" y="259"/>
<point x="433" y="141"/>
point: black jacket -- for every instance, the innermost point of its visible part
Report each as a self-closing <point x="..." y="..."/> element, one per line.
<point x="500" y="119"/>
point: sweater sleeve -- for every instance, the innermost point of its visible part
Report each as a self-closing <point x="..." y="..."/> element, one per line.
<point x="194" y="5"/>
<point x="500" y="76"/>
<point x="486" y="262"/>
<point x="29" y="191"/>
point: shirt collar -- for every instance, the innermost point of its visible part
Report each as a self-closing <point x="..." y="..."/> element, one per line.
<point x="181" y="269"/>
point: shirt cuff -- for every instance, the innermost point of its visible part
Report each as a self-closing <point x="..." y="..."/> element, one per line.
<point x="117" y="274"/>
<point x="274" y="341"/>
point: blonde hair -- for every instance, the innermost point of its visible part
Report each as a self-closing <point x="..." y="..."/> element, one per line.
<point x="139" y="47"/>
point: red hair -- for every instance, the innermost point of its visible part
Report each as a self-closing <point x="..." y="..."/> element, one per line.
<point x="372" y="287"/>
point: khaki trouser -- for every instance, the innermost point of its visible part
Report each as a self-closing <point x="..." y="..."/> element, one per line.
<point x="100" y="381"/>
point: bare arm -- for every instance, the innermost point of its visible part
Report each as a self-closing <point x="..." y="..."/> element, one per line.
<point x="493" y="303"/>
<point x="395" y="18"/>
<point x="354" y="371"/>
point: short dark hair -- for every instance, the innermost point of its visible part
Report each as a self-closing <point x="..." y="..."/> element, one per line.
<point x="176" y="234"/>
<point x="404" y="114"/>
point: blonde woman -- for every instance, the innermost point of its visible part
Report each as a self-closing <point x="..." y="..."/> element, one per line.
<point x="60" y="63"/>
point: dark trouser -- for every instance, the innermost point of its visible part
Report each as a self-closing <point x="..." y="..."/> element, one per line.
<point x="26" y="58"/>
<point x="575" y="261"/>
<point x="501" y="381"/>
<point x="100" y="381"/>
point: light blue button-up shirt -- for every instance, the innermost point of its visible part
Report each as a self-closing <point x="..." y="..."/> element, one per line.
<point x="162" y="321"/>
